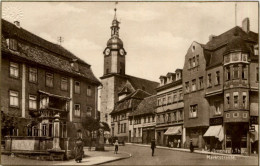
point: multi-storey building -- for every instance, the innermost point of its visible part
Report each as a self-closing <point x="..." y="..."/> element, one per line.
<point x="116" y="84"/>
<point x="196" y="114"/>
<point x="142" y="121"/>
<point x="39" y="80"/>
<point x="120" y="114"/>
<point x="169" y="113"/>
<point x="232" y="88"/>
<point x="220" y="82"/>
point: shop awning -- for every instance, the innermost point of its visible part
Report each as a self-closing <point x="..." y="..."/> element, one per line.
<point x="215" y="131"/>
<point x="176" y="130"/>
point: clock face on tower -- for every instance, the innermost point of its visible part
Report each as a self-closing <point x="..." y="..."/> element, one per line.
<point x="121" y="51"/>
<point x="107" y="51"/>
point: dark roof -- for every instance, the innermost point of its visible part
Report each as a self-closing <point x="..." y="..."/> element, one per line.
<point x="147" y="106"/>
<point x="54" y="56"/>
<point x="232" y="39"/>
<point x="130" y="102"/>
<point x="236" y="43"/>
<point x="146" y="85"/>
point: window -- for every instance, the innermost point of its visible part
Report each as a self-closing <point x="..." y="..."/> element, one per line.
<point x="174" y="116"/>
<point x="77" y="110"/>
<point x="107" y="71"/>
<point x="89" y="111"/>
<point x="217" y="78"/>
<point x="193" y="62"/>
<point x="158" y="118"/>
<point x="201" y="83"/>
<point x="235" y="72"/>
<point x="169" y="117"/>
<point x="124" y="127"/>
<point x="149" y="119"/>
<point x="244" y="72"/>
<point x="244" y="57"/>
<point x="181" y="115"/>
<point x="193" y="87"/>
<point x="89" y="91"/>
<point x="130" y="121"/>
<point x="181" y="96"/>
<point x="44" y="130"/>
<point x="256" y="51"/>
<point x="227" y="99"/>
<point x="217" y="107"/>
<point x="193" y="111"/>
<point x="197" y="57"/>
<point x="235" y="94"/>
<point x="77" y="87"/>
<point x="187" y="87"/>
<point x="153" y="118"/>
<point x="144" y="119"/>
<point x="118" y="131"/>
<point x="164" y="101"/>
<point x="139" y="132"/>
<point x="159" y="102"/>
<point x="209" y="80"/>
<point x="32" y="102"/>
<point x="257" y="74"/>
<point x="228" y="73"/>
<point x="14" y="98"/>
<point x="163" y="117"/>
<point x="49" y="79"/>
<point x="12" y="44"/>
<point x="32" y="74"/>
<point x="169" y="99"/>
<point x="64" y="84"/>
<point x="14" y="70"/>
<point x="244" y="100"/>
<point x="190" y="64"/>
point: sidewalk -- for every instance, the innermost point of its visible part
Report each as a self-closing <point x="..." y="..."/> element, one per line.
<point x="98" y="157"/>
<point x="195" y="151"/>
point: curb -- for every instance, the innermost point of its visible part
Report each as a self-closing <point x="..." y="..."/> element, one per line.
<point x="187" y="150"/>
<point x="121" y="158"/>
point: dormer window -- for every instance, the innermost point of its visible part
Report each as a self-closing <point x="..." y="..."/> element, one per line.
<point x="12" y="44"/>
<point x="74" y="65"/>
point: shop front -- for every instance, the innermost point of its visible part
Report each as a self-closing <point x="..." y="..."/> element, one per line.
<point x="236" y="124"/>
<point x="174" y="135"/>
<point x="214" y="136"/>
<point x="148" y="134"/>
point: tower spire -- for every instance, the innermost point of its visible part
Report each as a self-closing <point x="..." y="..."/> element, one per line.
<point x="235" y="13"/>
<point x="115" y="24"/>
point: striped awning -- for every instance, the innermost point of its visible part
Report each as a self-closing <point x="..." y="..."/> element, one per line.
<point x="176" y="130"/>
<point x="215" y="131"/>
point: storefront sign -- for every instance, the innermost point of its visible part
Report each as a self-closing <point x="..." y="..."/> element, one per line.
<point x="216" y="121"/>
<point x="254" y="120"/>
<point x="252" y="128"/>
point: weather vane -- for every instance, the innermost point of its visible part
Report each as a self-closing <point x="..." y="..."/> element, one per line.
<point x="60" y="40"/>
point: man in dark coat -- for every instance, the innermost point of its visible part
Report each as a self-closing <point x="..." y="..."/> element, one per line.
<point x="153" y="146"/>
<point x="191" y="146"/>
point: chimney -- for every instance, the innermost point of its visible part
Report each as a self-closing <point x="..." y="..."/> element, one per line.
<point x="246" y="25"/>
<point x="17" y="24"/>
<point x="211" y="37"/>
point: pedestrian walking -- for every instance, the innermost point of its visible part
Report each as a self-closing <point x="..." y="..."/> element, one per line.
<point x="191" y="146"/>
<point x="79" y="147"/>
<point x="116" y="146"/>
<point x="153" y="146"/>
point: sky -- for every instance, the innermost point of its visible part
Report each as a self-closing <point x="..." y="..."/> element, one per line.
<point x="156" y="35"/>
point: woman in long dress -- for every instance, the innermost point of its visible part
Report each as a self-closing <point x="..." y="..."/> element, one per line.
<point x="79" y="149"/>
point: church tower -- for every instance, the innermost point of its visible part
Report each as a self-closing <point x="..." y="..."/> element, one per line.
<point x="114" y="53"/>
<point x="114" y="72"/>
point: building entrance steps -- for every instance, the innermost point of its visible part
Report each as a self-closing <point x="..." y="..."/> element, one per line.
<point x="195" y="151"/>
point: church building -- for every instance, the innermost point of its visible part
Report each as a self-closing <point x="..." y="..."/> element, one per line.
<point x="117" y="85"/>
